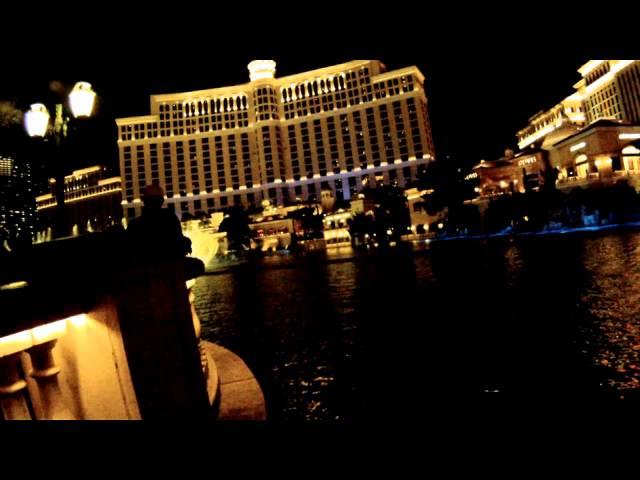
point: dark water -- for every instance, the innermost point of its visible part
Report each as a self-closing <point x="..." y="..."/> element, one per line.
<point x="547" y="319"/>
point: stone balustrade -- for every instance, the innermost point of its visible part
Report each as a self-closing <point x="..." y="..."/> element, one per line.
<point x="87" y="334"/>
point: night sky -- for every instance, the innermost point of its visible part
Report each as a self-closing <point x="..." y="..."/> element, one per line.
<point x="482" y="85"/>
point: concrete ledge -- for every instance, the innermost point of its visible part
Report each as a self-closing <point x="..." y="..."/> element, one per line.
<point x="213" y="380"/>
<point x="240" y="395"/>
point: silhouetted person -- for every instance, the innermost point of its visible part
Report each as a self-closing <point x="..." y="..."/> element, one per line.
<point x="156" y="234"/>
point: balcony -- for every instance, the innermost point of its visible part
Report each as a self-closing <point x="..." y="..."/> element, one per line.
<point x="88" y="334"/>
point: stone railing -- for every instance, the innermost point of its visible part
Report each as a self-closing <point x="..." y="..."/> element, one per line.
<point x="86" y="334"/>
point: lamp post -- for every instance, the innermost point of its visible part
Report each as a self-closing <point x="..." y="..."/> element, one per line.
<point x="37" y="123"/>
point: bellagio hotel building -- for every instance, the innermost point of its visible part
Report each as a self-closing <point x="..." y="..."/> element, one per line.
<point x="340" y="128"/>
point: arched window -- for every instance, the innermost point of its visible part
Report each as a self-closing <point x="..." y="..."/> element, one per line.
<point x="631" y="158"/>
<point x="582" y="165"/>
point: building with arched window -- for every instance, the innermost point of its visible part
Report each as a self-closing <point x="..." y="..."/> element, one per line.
<point x="604" y="152"/>
<point x="278" y="139"/>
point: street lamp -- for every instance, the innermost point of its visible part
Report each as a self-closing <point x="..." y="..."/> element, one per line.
<point x="81" y="100"/>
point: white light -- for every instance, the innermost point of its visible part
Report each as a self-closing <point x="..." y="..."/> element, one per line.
<point x="261" y="69"/>
<point x="81" y="100"/>
<point x="578" y="146"/>
<point x="36" y="120"/>
<point x="49" y="331"/>
<point x="629" y="136"/>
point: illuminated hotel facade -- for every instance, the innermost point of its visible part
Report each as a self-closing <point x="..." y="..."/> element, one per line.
<point x="336" y="128"/>
<point x="608" y="89"/>
<point x="590" y="138"/>
<point x="92" y="202"/>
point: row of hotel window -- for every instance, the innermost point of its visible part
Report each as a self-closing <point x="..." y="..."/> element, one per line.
<point x="395" y="140"/>
<point x="234" y="114"/>
<point x="603" y="104"/>
<point x="629" y="81"/>
<point x="87" y="191"/>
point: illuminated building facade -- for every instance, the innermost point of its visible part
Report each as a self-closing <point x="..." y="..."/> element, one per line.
<point x="512" y="173"/>
<point x="17" y="209"/>
<point x="565" y="116"/>
<point x="610" y="89"/>
<point x="92" y="202"/>
<point x="278" y="139"/>
<point x="598" y="121"/>
<point x="607" y="151"/>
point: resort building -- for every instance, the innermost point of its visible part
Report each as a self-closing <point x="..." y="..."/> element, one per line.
<point x="278" y="139"/>
<point x="605" y="152"/>
<point x="567" y="117"/>
<point x="92" y="202"/>
<point x="610" y="89"/>
<point x="589" y="138"/>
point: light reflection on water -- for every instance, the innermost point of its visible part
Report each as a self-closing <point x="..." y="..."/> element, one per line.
<point x="350" y="338"/>
<point x="613" y="300"/>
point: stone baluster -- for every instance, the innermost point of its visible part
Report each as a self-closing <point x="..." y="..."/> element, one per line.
<point x="197" y="328"/>
<point x="45" y="373"/>
<point x="13" y="403"/>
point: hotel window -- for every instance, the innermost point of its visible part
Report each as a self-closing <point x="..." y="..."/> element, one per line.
<point x="293" y="149"/>
<point x="346" y="141"/>
<point x="153" y="157"/>
<point x="582" y="166"/>
<point x="333" y="145"/>
<point x="631" y="158"/>
<point x="359" y="134"/>
<point x="233" y="162"/>
<point x="168" y="174"/>
<point x="206" y="164"/>
<point x="245" y="158"/>
<point x="219" y="160"/>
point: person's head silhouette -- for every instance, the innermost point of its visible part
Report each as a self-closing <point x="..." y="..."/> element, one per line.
<point x="153" y="197"/>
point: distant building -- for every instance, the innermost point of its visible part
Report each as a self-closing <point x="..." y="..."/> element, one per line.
<point x="336" y="228"/>
<point x="92" y="202"/>
<point x="280" y="139"/>
<point x="605" y="152"/>
<point x="512" y="173"/>
<point x="564" y="118"/>
<point x="422" y="222"/>
<point x="17" y="208"/>
<point x="589" y="138"/>
<point x="610" y="89"/>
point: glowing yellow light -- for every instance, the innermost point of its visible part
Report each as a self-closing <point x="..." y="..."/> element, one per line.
<point x="261" y="69"/>
<point x="50" y="331"/>
<point x="78" y="320"/>
<point x="14" y="285"/>
<point x="36" y="120"/>
<point x="81" y="99"/>
<point x="589" y="66"/>
<point x="16" y="342"/>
